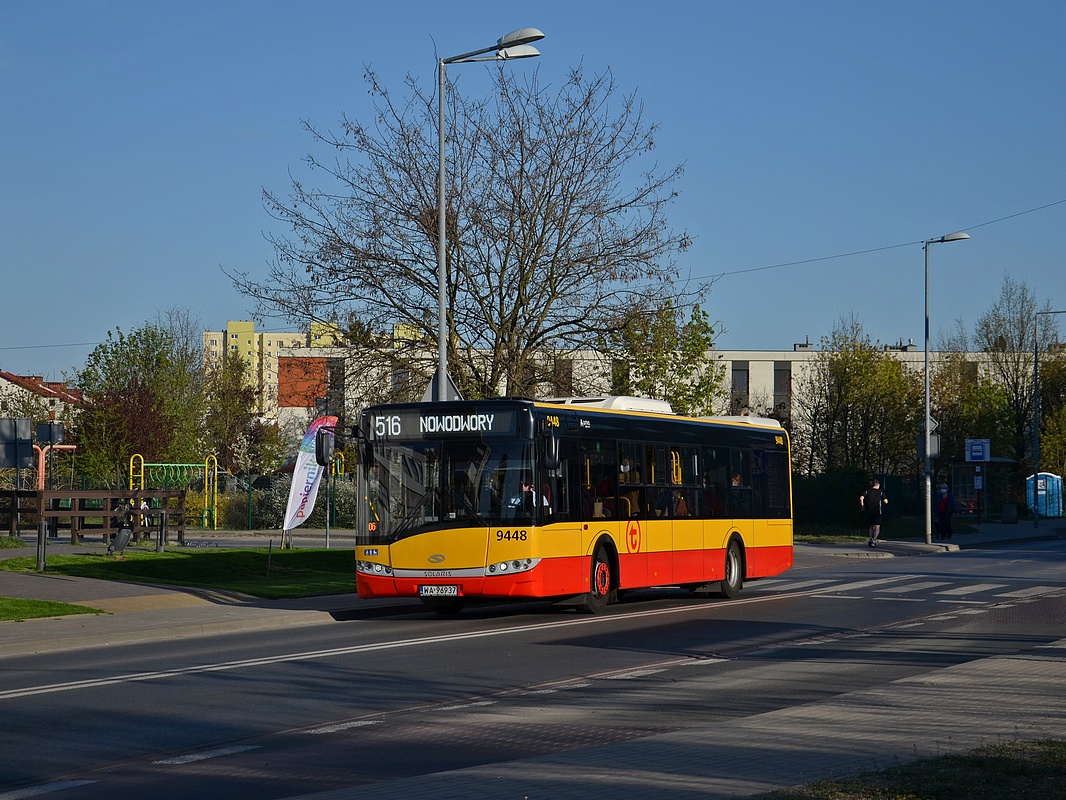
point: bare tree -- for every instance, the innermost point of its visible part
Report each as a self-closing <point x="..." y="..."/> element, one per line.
<point x="1006" y="333"/>
<point x="555" y="225"/>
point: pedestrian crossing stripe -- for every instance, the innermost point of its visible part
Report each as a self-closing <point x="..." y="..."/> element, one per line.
<point x="898" y="584"/>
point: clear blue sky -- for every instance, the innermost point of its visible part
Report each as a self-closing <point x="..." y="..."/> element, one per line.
<point x="135" y="140"/>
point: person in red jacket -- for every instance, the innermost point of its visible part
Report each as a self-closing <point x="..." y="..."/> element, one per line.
<point x="945" y="508"/>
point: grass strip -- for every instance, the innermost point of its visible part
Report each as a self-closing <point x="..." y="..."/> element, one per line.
<point x="1021" y="769"/>
<point x="18" y="608"/>
<point x="254" y="571"/>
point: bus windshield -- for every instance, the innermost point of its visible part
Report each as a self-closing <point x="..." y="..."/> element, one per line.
<point x="427" y="485"/>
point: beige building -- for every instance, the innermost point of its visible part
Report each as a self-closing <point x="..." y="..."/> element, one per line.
<point x="757" y="382"/>
<point x="259" y="351"/>
<point x="760" y="382"/>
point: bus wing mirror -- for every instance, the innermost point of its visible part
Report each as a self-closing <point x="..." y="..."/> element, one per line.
<point x="324" y="447"/>
<point x="551" y="452"/>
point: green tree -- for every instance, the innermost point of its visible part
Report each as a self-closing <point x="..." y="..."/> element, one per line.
<point x="184" y="380"/>
<point x="240" y="441"/>
<point x="140" y="398"/>
<point x="856" y="407"/>
<point x="555" y="226"/>
<point x="1052" y="404"/>
<point x="665" y="357"/>
<point x="1007" y="333"/>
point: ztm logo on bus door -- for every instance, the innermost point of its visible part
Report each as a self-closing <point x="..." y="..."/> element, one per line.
<point x="633" y="537"/>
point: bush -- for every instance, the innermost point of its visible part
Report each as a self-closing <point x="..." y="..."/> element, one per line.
<point x="261" y="505"/>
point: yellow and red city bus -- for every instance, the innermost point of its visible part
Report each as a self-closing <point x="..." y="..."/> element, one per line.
<point x="575" y="501"/>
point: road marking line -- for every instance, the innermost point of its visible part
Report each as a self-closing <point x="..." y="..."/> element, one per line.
<point x="847" y="587"/>
<point x="973" y="588"/>
<point x="44" y="788"/>
<point x="206" y="754"/>
<point x="914" y="587"/>
<point x="1030" y="592"/>
<point x="637" y="673"/>
<point x="899" y="599"/>
<point x="460" y="706"/>
<point x="342" y="726"/>
<point x="784" y="584"/>
<point x="554" y="689"/>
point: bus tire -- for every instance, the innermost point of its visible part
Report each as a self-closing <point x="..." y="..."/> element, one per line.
<point x="733" y="581"/>
<point x="602" y="581"/>
<point x="445" y="606"/>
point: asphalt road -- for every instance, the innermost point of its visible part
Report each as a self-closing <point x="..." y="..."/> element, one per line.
<point x="385" y="694"/>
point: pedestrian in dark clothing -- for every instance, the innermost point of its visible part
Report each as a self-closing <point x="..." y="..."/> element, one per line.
<point x="872" y="501"/>
<point x="945" y="508"/>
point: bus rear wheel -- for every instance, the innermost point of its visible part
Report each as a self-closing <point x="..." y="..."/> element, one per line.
<point x="601" y="583"/>
<point x="734" y="572"/>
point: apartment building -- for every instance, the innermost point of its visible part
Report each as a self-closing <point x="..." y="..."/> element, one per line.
<point x="259" y="352"/>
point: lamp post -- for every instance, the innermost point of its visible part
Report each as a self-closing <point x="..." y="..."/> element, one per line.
<point x="1036" y="412"/>
<point x="927" y="424"/>
<point x="513" y="45"/>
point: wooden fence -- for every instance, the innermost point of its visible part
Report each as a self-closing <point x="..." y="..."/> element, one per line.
<point x="98" y="511"/>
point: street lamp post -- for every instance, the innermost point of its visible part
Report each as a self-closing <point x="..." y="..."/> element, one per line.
<point x="927" y="424"/>
<point x="1036" y="412"/>
<point x="513" y="45"/>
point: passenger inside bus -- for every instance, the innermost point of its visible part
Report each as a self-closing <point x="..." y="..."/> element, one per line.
<point x="527" y="497"/>
<point x="628" y="498"/>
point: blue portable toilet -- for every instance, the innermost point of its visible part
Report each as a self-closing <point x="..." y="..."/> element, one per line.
<point x="1048" y="501"/>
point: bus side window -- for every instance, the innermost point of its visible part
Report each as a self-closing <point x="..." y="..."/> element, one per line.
<point x="599" y="478"/>
<point x="715" y="482"/>
<point x="740" y="483"/>
<point x="554" y="483"/>
<point x="777" y="485"/>
<point x="758" y="483"/>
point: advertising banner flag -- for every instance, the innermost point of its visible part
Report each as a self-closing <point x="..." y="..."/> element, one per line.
<point x="305" y="477"/>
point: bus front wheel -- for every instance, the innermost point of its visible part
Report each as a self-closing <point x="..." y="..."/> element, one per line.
<point x="601" y="583"/>
<point x="734" y="572"/>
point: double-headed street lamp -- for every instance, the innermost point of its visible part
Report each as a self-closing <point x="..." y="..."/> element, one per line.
<point x="514" y="45"/>
<point x="1036" y="413"/>
<point x="951" y="237"/>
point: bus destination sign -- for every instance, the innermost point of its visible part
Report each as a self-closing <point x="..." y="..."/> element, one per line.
<point x="427" y="424"/>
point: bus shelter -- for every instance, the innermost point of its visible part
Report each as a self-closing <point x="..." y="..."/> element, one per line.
<point x="982" y="489"/>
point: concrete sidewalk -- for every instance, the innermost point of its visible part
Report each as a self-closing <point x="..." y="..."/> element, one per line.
<point x="950" y="710"/>
<point x="137" y="612"/>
